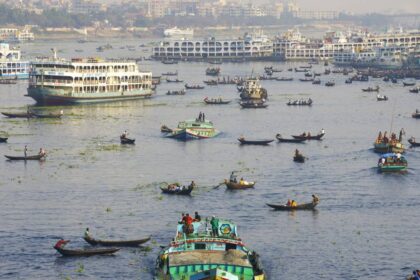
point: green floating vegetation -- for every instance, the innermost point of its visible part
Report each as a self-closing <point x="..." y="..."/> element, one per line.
<point x="80" y="268"/>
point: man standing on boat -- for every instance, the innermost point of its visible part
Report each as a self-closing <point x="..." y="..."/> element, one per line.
<point x="214" y="226"/>
<point x="25" y="151"/>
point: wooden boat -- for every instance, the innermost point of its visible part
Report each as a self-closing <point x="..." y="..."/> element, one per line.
<point x="409" y="84"/>
<point x="169" y="62"/>
<point x="174" y="81"/>
<point x="26" y="115"/>
<point x="3" y="140"/>
<point x="125" y="140"/>
<point x="305" y="66"/>
<point x="193" y="86"/>
<point x="254" y="142"/>
<point x="252" y="104"/>
<point x="381" y="98"/>
<point x="306" y="80"/>
<point x="300" y="102"/>
<point x="293" y="140"/>
<point x="165" y="129"/>
<point x="175" y="92"/>
<point x="213" y="71"/>
<point x="125" y="243"/>
<point x="306" y="206"/>
<point x="238" y="186"/>
<point x="301" y="70"/>
<point x="370" y="89"/>
<point x="392" y="162"/>
<point x="86" y="252"/>
<point x="35" y="157"/>
<point x="329" y="84"/>
<point x="416" y="115"/>
<point x="216" y="101"/>
<point x="211" y="82"/>
<point x="283" y="79"/>
<point x="185" y="191"/>
<point x="170" y="73"/>
<point x="316" y="137"/>
<point x="299" y="158"/>
<point x="316" y="82"/>
<point x="413" y="142"/>
<point x="414" y="90"/>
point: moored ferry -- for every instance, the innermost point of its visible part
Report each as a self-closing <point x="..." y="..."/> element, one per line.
<point x="11" y="65"/>
<point x="90" y="80"/>
<point x="208" y="249"/>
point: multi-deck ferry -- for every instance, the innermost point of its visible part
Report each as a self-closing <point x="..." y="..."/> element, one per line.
<point x="89" y="80"/>
<point x="11" y="65"/>
<point x="208" y="249"/>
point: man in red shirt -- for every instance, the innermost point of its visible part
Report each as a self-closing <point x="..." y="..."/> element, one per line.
<point x="61" y="243"/>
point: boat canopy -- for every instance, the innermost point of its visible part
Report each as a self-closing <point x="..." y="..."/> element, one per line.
<point x="389" y="155"/>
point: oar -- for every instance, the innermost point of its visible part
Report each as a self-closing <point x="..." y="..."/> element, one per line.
<point x="221" y="184"/>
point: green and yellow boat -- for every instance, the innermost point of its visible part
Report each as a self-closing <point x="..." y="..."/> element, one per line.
<point x="383" y="144"/>
<point x="208" y="249"/>
<point x="392" y="162"/>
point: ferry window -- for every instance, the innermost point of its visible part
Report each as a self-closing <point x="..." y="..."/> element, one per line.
<point x="200" y="246"/>
<point x="230" y="246"/>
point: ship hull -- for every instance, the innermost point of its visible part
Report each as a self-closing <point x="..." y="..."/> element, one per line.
<point x="48" y="96"/>
<point x="188" y="134"/>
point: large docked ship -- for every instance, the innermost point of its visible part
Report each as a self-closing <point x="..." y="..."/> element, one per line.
<point x="247" y="48"/>
<point x="208" y="249"/>
<point x="59" y="81"/>
<point x="11" y="65"/>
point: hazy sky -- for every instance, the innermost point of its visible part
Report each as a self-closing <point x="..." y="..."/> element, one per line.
<point x="362" y="6"/>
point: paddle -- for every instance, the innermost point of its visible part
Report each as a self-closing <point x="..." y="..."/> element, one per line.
<point x="220" y="184"/>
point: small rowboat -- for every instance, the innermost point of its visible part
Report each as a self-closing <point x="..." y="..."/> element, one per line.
<point x="285" y="140"/>
<point x="284" y="79"/>
<point x="86" y="252"/>
<point x="175" y="92"/>
<point x="174" y="81"/>
<point x="3" y="140"/>
<point x="413" y="143"/>
<point x="36" y="157"/>
<point x="125" y="140"/>
<point x="416" y="115"/>
<point x="126" y="243"/>
<point x="255" y="142"/>
<point x="238" y="186"/>
<point x="306" y="206"/>
<point x="18" y="115"/>
<point x="185" y="191"/>
<point x="409" y="84"/>
<point x="299" y="158"/>
<point x="316" y="137"/>
<point x="381" y="98"/>
<point x="254" y="105"/>
<point x="193" y="86"/>
<point x="216" y="101"/>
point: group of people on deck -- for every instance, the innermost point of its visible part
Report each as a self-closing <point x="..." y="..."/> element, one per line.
<point x="201" y="117"/>
<point x="384" y="139"/>
<point x="177" y="187"/>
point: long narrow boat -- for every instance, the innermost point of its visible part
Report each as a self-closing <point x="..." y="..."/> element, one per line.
<point x="35" y="157"/>
<point x="237" y="186"/>
<point x="125" y="243"/>
<point x="127" y="140"/>
<point x="306" y="206"/>
<point x="181" y="191"/>
<point x="26" y="115"/>
<point x="252" y="105"/>
<point x="255" y="142"/>
<point x="86" y="252"/>
<point x="289" y="140"/>
<point x="416" y="115"/>
<point x="216" y="101"/>
<point x="3" y="139"/>
<point x="412" y="142"/>
<point x="47" y="116"/>
<point x="316" y="137"/>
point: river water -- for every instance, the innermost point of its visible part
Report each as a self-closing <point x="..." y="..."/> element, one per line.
<point x="366" y="226"/>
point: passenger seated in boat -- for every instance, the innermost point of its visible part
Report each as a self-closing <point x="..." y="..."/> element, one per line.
<point x="42" y="152"/>
<point x="124" y="135"/>
<point x="322" y="131"/>
<point x="303" y="134"/>
<point x="61" y="243"/>
<point x="315" y="199"/>
<point x="297" y="153"/>
<point x="289" y="203"/>
<point x="294" y="204"/>
<point x="87" y="233"/>
<point x="242" y="182"/>
<point x="197" y="217"/>
<point x="309" y="134"/>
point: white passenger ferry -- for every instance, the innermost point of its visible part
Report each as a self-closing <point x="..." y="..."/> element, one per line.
<point x="89" y="80"/>
<point x="248" y="47"/>
<point x="11" y="65"/>
<point x="179" y="33"/>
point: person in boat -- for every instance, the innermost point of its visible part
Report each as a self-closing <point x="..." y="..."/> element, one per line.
<point x="182" y="219"/>
<point x="297" y="153"/>
<point x="214" y="222"/>
<point x="379" y="139"/>
<point x="61" y="112"/>
<point x="315" y="199"/>
<point x="192" y="184"/>
<point x="87" y="233"/>
<point x="25" y="150"/>
<point x="303" y="134"/>
<point x="124" y="135"/>
<point x="322" y="131"/>
<point x="232" y="177"/>
<point x="42" y="152"/>
<point x="61" y="243"/>
<point x="242" y="182"/>
<point x="402" y="132"/>
<point x="197" y="217"/>
<point x="289" y="203"/>
<point x="294" y="204"/>
<point x="309" y="134"/>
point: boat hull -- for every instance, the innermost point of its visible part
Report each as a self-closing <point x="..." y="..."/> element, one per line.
<point x="49" y="96"/>
<point x="189" y="134"/>
<point x="384" y="148"/>
<point x="306" y="206"/>
<point x="392" y="168"/>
